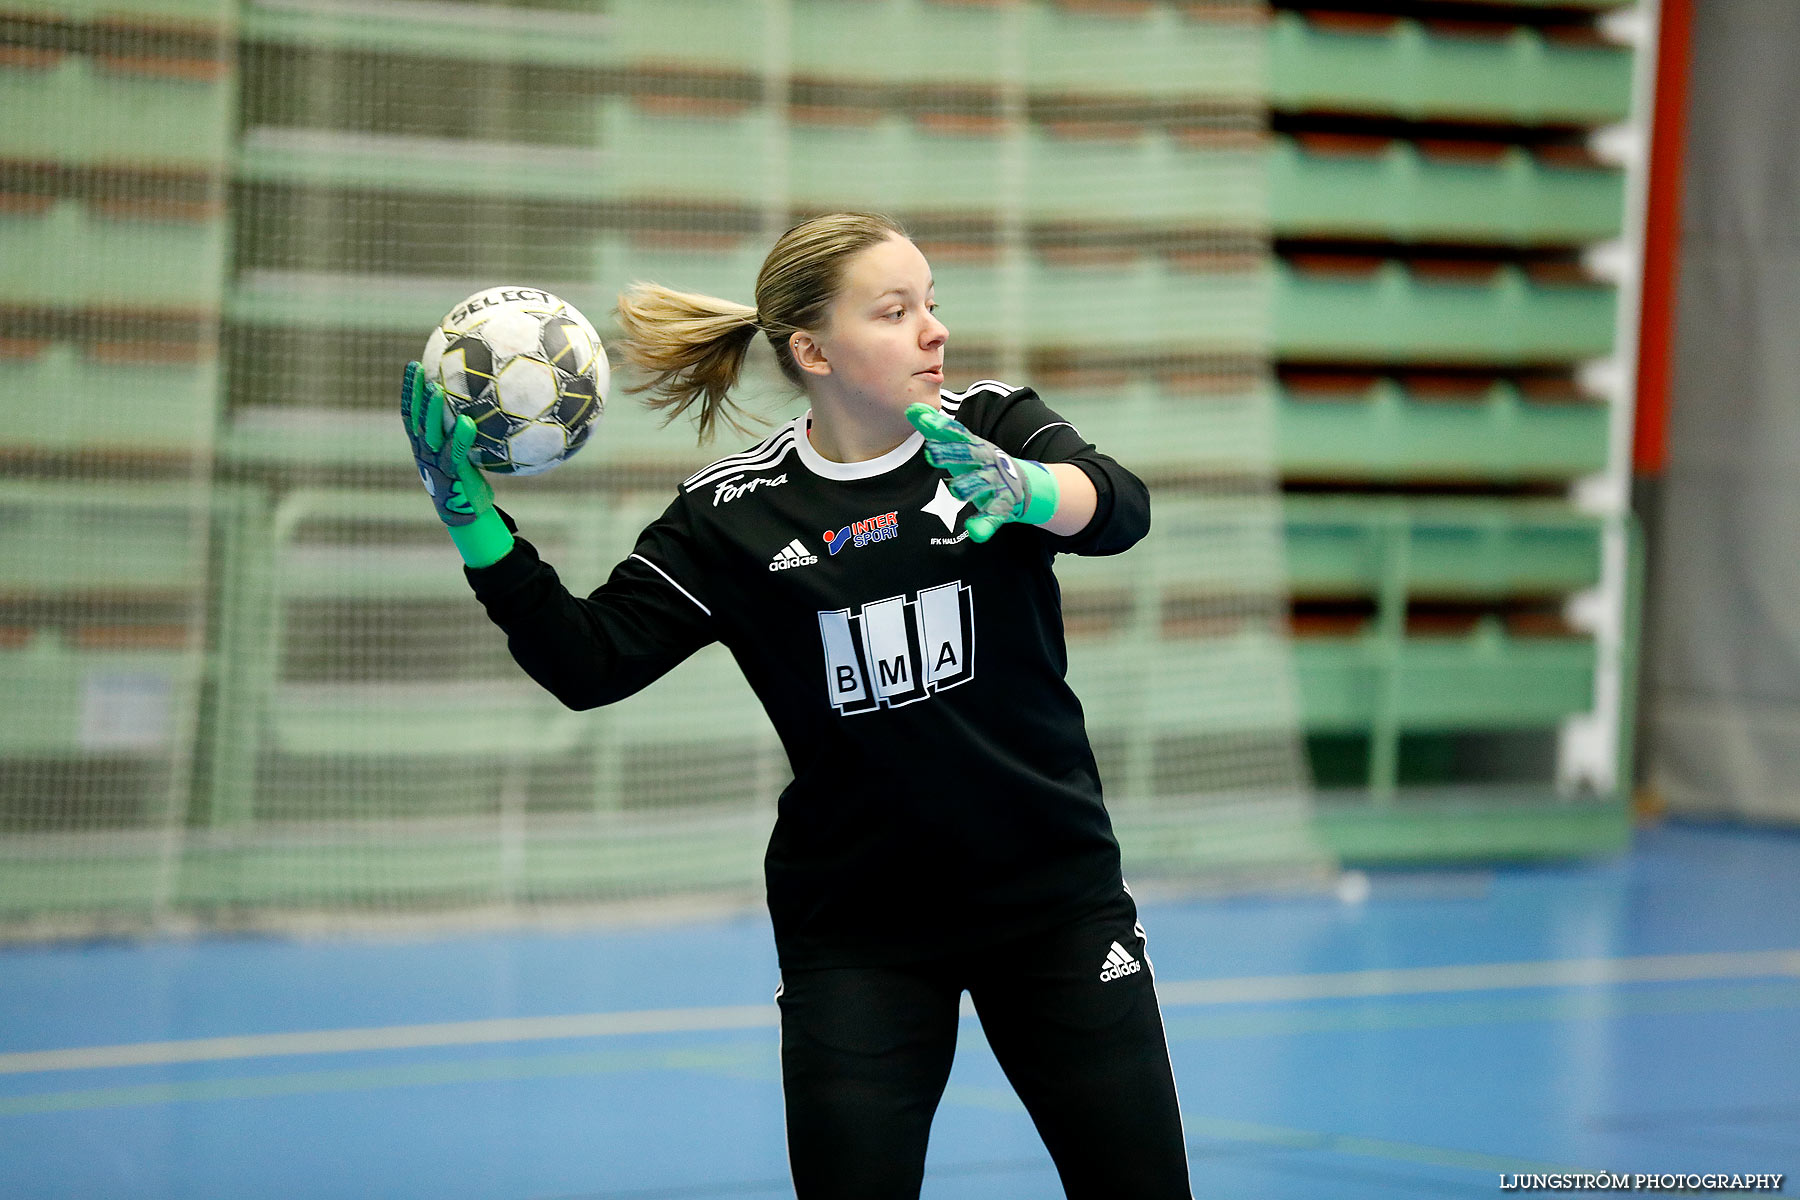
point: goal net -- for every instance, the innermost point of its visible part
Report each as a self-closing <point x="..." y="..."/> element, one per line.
<point x="251" y="678"/>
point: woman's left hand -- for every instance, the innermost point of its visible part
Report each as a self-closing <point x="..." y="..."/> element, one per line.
<point x="1002" y="488"/>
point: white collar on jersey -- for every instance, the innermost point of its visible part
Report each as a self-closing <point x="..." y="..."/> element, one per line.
<point x="818" y="464"/>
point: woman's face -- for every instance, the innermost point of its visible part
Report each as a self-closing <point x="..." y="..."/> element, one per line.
<point x="882" y="345"/>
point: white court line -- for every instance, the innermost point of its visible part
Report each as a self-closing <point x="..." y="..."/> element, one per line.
<point x="393" y="1037"/>
<point x="1400" y="981"/>
<point x="1404" y="981"/>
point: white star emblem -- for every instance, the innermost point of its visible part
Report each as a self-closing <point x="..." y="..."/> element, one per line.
<point x="944" y="506"/>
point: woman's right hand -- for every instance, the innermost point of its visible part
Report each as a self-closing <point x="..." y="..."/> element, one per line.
<point x="461" y="493"/>
<point x="454" y="483"/>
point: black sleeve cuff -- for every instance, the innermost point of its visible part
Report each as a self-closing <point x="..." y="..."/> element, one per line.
<point x="500" y="578"/>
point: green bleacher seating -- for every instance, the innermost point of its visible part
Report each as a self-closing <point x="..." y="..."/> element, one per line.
<point x="1474" y="548"/>
<point x="1393" y="315"/>
<point x="1401" y="194"/>
<point x="82" y="110"/>
<point x="117" y="681"/>
<point x="1407" y="71"/>
<point x="1487" y="680"/>
<point x="1384" y="432"/>
<point x="62" y="396"/>
<point x="77" y="254"/>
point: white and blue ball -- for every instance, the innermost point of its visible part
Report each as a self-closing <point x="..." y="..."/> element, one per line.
<point x="527" y="368"/>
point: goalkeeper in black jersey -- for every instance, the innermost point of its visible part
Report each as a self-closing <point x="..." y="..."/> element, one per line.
<point x="881" y="570"/>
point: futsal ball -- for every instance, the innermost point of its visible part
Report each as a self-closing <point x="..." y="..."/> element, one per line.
<point x="527" y="368"/>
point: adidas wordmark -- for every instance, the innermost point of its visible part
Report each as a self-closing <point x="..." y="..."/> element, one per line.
<point x="1118" y="964"/>
<point x="792" y="555"/>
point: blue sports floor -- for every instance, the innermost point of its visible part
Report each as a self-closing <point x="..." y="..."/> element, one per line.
<point x="1448" y="1030"/>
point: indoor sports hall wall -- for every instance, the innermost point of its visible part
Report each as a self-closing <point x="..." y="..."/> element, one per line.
<point x="1722" y="678"/>
<point x="1347" y="288"/>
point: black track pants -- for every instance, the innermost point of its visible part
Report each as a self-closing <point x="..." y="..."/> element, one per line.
<point x="1072" y="1019"/>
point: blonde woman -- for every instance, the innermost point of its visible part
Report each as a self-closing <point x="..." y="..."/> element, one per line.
<point x="881" y="570"/>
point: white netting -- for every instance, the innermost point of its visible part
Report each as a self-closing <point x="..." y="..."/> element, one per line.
<point x="253" y="676"/>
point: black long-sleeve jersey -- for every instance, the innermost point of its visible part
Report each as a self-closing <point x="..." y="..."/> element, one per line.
<point x="944" y="791"/>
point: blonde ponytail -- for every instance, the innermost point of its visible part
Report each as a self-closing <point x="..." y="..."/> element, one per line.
<point x="692" y="346"/>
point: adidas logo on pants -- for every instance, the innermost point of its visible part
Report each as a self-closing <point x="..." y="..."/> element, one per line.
<point x="1118" y="964"/>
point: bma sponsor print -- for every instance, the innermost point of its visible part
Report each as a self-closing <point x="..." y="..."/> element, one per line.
<point x="898" y="650"/>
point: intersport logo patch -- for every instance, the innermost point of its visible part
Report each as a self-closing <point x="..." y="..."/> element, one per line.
<point x="879" y="528"/>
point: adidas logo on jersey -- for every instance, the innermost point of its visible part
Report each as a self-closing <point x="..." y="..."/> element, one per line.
<point x="792" y="555"/>
<point x="1118" y="964"/>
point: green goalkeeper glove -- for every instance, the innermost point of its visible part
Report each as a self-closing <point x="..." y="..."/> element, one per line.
<point x="1002" y="488"/>
<point x="462" y="494"/>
